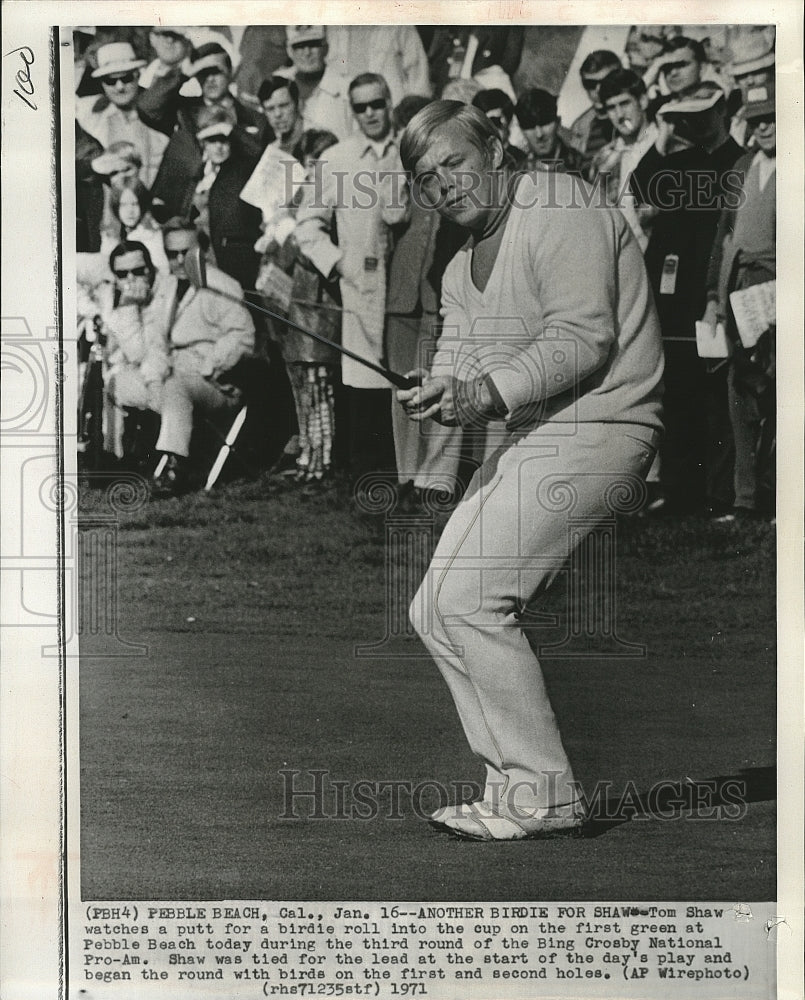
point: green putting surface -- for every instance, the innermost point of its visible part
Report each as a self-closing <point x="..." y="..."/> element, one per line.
<point x="186" y="752"/>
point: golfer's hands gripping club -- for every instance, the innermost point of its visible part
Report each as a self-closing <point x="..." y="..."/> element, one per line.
<point x="432" y="397"/>
<point x="448" y="400"/>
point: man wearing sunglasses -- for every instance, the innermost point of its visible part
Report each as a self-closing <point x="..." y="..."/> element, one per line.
<point x="360" y="187"/>
<point x="593" y="129"/>
<point x="323" y="97"/>
<point x="114" y="116"/>
<point x="135" y="312"/>
<point x="209" y="335"/>
<point x="164" y="107"/>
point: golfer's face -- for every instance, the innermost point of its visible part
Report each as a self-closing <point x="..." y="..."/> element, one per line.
<point x="456" y="177"/>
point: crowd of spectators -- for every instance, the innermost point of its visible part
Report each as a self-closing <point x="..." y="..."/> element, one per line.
<point x="273" y="152"/>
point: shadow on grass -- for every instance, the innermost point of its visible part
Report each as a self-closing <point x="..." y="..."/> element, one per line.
<point x="723" y="797"/>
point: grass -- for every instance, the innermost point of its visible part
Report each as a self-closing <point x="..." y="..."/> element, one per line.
<point x="251" y="601"/>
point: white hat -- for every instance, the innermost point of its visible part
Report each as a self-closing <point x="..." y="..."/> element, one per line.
<point x="116" y="57"/>
<point x="297" y="33"/>
<point x="751" y="50"/>
<point x="217" y="128"/>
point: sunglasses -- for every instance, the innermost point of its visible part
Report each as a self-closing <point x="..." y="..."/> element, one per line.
<point x="314" y="43"/>
<point x="138" y="272"/>
<point x="175" y="254"/>
<point x="110" y="81"/>
<point x="359" y="107"/>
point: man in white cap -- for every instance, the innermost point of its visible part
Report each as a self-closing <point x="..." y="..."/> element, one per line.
<point x="685" y="176"/>
<point x="323" y="89"/>
<point x="164" y="107"/>
<point x="752" y="71"/>
<point x="114" y="117"/>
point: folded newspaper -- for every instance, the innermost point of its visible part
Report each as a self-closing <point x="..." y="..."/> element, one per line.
<point x="754" y="309"/>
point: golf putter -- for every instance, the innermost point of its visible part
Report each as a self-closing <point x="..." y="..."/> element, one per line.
<point x="196" y="269"/>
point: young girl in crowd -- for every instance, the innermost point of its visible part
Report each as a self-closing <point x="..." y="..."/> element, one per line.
<point x="130" y="203"/>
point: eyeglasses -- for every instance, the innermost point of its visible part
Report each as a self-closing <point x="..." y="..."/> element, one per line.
<point x="175" y="254"/>
<point x="138" y="272"/>
<point x="124" y="78"/>
<point x="313" y="43"/>
<point x="360" y="107"/>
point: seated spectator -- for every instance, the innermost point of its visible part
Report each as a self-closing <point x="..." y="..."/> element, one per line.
<point x="135" y="316"/>
<point x="624" y="97"/>
<point x="232" y="226"/>
<point x="537" y="116"/>
<point x="163" y="107"/>
<point x="129" y="203"/>
<point x="209" y="335"/>
<point x="593" y="129"/>
<point x="745" y="254"/>
<point x="498" y="108"/>
<point x="395" y="50"/>
<point x="113" y="117"/>
<point x="323" y="87"/>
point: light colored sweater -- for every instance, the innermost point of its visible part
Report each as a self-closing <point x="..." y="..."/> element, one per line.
<point x="566" y="327"/>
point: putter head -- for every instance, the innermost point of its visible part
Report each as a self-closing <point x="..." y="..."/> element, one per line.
<point x="195" y="267"/>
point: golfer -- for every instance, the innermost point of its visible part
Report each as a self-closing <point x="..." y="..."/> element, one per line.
<point x="549" y="323"/>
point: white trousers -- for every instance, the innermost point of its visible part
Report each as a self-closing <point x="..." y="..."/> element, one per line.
<point x="182" y="393"/>
<point x="504" y="544"/>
